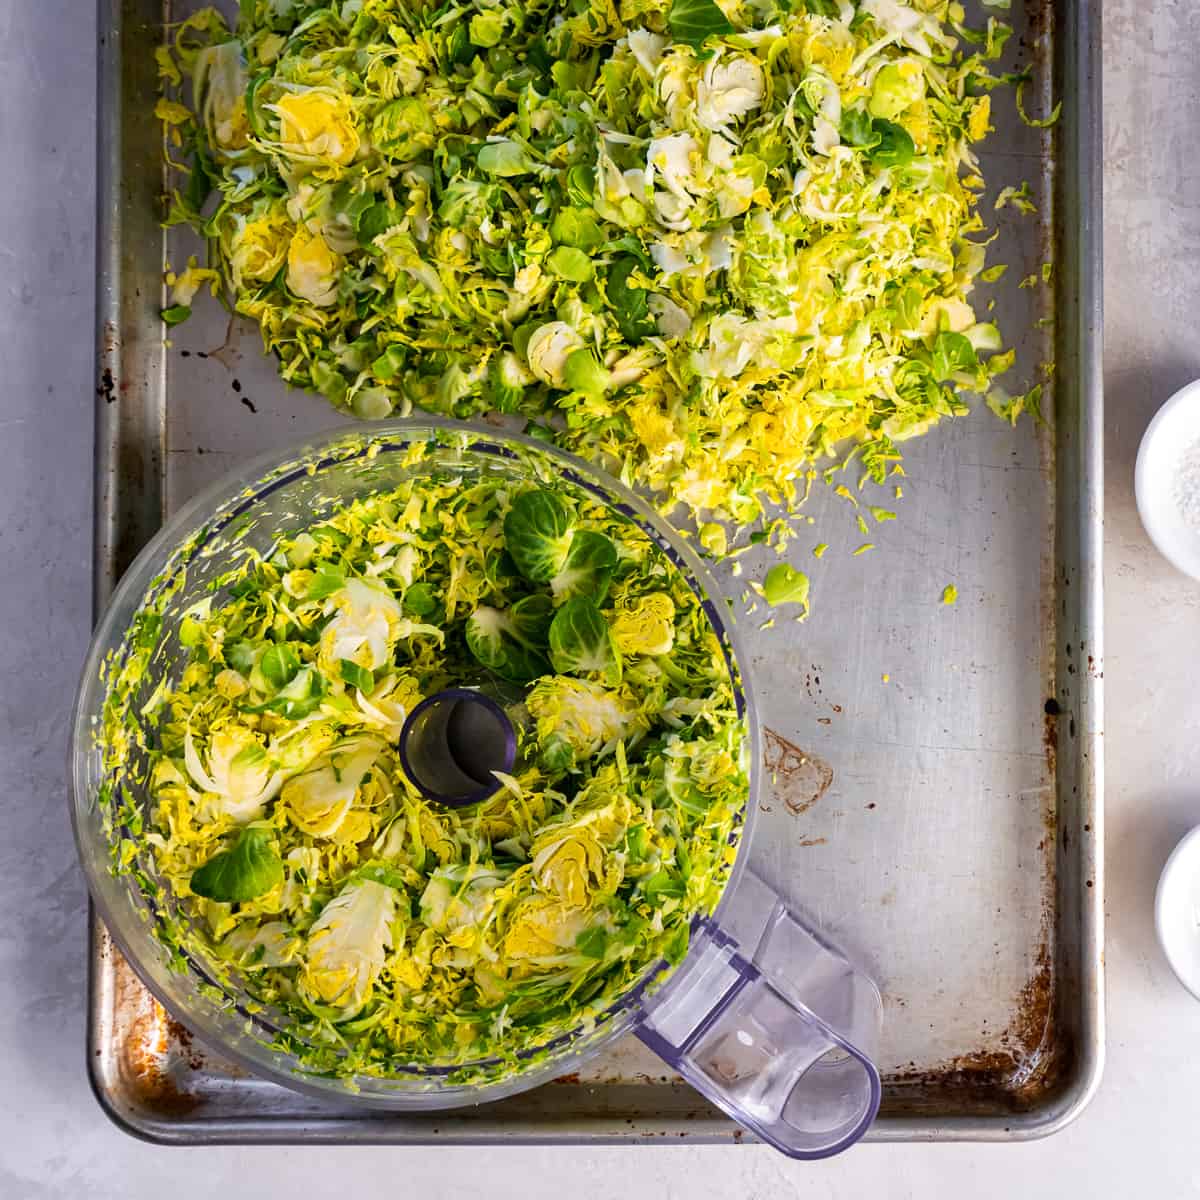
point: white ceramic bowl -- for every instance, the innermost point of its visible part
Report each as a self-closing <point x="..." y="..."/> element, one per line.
<point x="1167" y="479"/>
<point x="1177" y="911"/>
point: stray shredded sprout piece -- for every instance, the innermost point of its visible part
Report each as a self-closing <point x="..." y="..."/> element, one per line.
<point x="713" y="246"/>
<point x="301" y="862"/>
<point x="785" y="585"/>
<point x="1019" y="198"/>
<point x="1033" y="122"/>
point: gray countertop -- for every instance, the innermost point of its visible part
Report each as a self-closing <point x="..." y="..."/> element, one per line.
<point x="1139" y="1134"/>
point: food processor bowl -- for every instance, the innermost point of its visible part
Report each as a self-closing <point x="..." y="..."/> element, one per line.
<point x="764" y="1017"/>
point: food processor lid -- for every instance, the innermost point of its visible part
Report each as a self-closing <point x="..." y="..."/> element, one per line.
<point x="772" y="1024"/>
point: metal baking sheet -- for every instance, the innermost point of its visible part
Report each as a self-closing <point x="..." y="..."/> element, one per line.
<point x="937" y="794"/>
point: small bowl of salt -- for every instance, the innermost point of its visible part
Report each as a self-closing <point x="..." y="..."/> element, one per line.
<point x="1167" y="479"/>
<point x="1177" y="911"/>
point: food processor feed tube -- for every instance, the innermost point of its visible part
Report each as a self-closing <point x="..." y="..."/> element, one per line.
<point x="453" y="743"/>
<point x="772" y="1024"/>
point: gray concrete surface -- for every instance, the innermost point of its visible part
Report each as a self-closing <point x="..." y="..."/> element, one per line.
<point x="1138" y="1138"/>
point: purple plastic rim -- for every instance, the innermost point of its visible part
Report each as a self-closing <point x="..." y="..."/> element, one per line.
<point x="456" y="696"/>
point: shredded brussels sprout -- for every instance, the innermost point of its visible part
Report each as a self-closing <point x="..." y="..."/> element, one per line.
<point x="299" y="859"/>
<point x="709" y="246"/>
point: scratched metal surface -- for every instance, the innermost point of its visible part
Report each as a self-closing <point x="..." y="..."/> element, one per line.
<point x="919" y="809"/>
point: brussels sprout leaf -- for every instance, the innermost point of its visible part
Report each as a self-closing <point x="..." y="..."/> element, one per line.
<point x="537" y="532"/>
<point x="581" y="641"/>
<point x="589" y="568"/>
<point x="694" y="21"/>
<point x="497" y="641"/>
<point x="249" y="870"/>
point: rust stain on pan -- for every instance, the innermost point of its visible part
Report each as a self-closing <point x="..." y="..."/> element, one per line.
<point x="797" y="778"/>
<point x="1031" y="1025"/>
<point x="186" y="1048"/>
<point x="1051" y="713"/>
<point x="107" y="387"/>
<point x="148" y="1050"/>
<point x="144" y="1064"/>
<point x="1014" y="1077"/>
<point x="155" y="1051"/>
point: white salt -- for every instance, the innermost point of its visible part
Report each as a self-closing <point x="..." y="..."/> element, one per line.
<point x="1186" y="488"/>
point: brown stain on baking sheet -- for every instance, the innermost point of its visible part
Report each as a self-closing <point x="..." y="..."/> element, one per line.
<point x="108" y="386"/>
<point x="1050" y="714"/>
<point x="148" y="1050"/>
<point x="1014" y="1077"/>
<point x="797" y="777"/>
<point x="229" y="353"/>
<point x="156" y="1056"/>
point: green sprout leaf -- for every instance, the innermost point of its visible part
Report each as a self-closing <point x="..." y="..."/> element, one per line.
<point x="630" y="304"/>
<point x="240" y="656"/>
<point x="191" y="632"/>
<point x="857" y="128"/>
<point x="897" y="85"/>
<point x="569" y="263"/>
<point x="325" y="583"/>
<point x="279" y="665"/>
<point x="583" y="372"/>
<point x="581" y="642"/>
<point x="785" y="585"/>
<point x="403" y="128"/>
<point x="576" y="227"/>
<point x="487" y="28"/>
<point x="419" y="600"/>
<point x="298" y="698"/>
<point x="504" y="641"/>
<point x="537" y="532"/>
<point x="200" y="181"/>
<point x="250" y="869"/>
<point x="952" y="352"/>
<point x="356" y="676"/>
<point x="531" y="618"/>
<point x="695" y="21"/>
<point x="505" y="159"/>
<point x="895" y="147"/>
<point x="377" y="219"/>
<point x="593" y="942"/>
<point x="176" y="314"/>
<point x="589" y="568"/>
